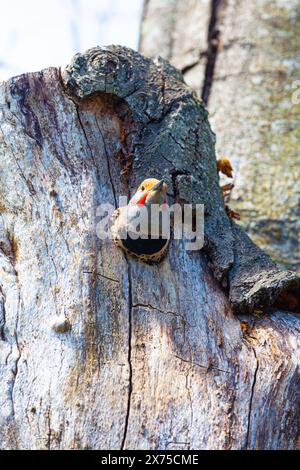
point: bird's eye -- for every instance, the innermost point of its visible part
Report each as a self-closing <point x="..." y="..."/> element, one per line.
<point x="143" y="188"/>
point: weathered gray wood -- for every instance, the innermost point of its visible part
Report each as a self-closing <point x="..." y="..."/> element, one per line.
<point x="98" y="350"/>
<point x="248" y="55"/>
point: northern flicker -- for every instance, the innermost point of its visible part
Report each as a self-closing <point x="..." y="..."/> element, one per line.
<point x="151" y="246"/>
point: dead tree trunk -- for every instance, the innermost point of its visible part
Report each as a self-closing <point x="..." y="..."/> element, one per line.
<point x="242" y="58"/>
<point x="101" y="351"/>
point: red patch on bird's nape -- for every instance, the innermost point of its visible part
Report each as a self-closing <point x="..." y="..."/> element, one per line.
<point x="142" y="200"/>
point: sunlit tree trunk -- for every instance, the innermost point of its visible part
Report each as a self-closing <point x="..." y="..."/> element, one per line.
<point x="101" y="351"/>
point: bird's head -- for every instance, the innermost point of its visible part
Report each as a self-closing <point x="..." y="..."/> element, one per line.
<point x="150" y="191"/>
<point x="224" y="166"/>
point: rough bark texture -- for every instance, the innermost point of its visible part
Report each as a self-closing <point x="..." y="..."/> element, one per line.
<point x="247" y="56"/>
<point x="98" y="350"/>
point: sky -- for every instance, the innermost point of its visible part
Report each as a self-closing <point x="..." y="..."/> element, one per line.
<point x="35" y="34"/>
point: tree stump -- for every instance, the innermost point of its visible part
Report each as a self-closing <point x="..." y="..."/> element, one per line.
<point x="101" y="351"/>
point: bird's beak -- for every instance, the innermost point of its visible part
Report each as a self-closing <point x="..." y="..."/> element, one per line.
<point x="157" y="194"/>
<point x="158" y="186"/>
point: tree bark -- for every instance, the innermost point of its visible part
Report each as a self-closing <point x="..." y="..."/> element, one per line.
<point x="243" y="61"/>
<point x="101" y="351"/>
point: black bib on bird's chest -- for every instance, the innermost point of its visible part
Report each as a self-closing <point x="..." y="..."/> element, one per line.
<point x="144" y="246"/>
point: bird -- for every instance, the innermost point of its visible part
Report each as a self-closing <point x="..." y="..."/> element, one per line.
<point x="224" y="166"/>
<point x="149" y="247"/>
